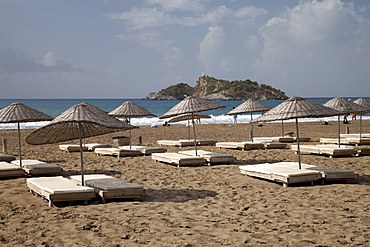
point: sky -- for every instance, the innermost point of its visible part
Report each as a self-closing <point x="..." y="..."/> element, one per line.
<point x="128" y="49"/>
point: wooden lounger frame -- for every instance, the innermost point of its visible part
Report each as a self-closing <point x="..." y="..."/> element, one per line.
<point x="82" y="195"/>
<point x="122" y="191"/>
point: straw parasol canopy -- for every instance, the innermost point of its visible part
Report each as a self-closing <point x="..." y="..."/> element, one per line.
<point x="345" y="106"/>
<point x="250" y="105"/>
<point x="192" y="105"/>
<point x="130" y="109"/>
<point x="20" y="113"/>
<point x="79" y="121"/>
<point x="294" y="108"/>
<point x="365" y="103"/>
<point x="188" y="116"/>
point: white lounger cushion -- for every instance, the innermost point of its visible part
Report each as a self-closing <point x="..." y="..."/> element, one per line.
<point x="57" y="185"/>
<point x="178" y="159"/>
<point x="210" y="156"/>
<point x="275" y="172"/>
<point x="116" y="152"/>
<point x="72" y="148"/>
<point x="144" y="149"/>
<point x="36" y="167"/>
<point x="240" y="145"/>
<point x="92" y="146"/>
<point x="105" y="182"/>
<point x="274" y="139"/>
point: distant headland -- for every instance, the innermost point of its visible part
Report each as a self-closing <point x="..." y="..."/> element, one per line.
<point x="211" y="88"/>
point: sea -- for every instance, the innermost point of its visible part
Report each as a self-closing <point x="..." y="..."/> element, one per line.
<point x="54" y="107"/>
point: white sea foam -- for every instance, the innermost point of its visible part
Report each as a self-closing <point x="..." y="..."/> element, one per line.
<point x="221" y="119"/>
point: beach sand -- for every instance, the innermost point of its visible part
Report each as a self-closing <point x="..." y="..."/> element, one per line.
<point x="193" y="206"/>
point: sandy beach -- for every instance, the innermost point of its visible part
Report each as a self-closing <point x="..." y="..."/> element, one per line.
<point x="195" y="205"/>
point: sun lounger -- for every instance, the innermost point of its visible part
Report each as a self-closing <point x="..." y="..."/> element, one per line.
<point x="302" y="139"/>
<point x="185" y="142"/>
<point x="285" y="175"/>
<point x="202" y="142"/>
<point x="108" y="187"/>
<point x="92" y="146"/>
<point x="210" y="157"/>
<point x="330" y="150"/>
<point x="116" y="152"/>
<point x="145" y="150"/>
<point x="178" y="159"/>
<point x="272" y="145"/>
<point x="327" y="173"/>
<point x="274" y="139"/>
<point x="6" y="157"/>
<point x="36" y="167"/>
<point x="57" y="189"/>
<point x="364" y="135"/>
<point x="10" y="170"/>
<point x="348" y="140"/>
<point x="362" y="150"/>
<point x="240" y="145"/>
<point x="72" y="148"/>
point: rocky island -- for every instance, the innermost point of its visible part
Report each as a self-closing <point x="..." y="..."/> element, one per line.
<point x="211" y="88"/>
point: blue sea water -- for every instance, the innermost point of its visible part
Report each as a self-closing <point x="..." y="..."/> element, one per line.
<point x="54" y="107"/>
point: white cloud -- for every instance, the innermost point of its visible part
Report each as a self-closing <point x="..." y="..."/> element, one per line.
<point x="313" y="45"/>
<point x="183" y="5"/>
<point x="49" y="59"/>
<point x="137" y="19"/>
<point x="247" y="16"/>
<point x="210" y="49"/>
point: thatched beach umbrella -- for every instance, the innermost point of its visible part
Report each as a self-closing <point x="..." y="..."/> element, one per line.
<point x="345" y="107"/>
<point x="250" y="105"/>
<point x="130" y="109"/>
<point x="20" y="113"/>
<point x="364" y="103"/>
<point x="188" y="116"/>
<point x="79" y="121"/>
<point x="192" y="105"/>
<point x="294" y="108"/>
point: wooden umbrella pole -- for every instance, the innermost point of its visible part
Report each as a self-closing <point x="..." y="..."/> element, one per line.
<point x="299" y="149"/>
<point x="19" y="145"/>
<point x="129" y="120"/>
<point x="195" y="138"/>
<point x="188" y="129"/>
<point x="339" y="130"/>
<point x="360" y="127"/>
<point x="251" y="128"/>
<point x="282" y="127"/>
<point x="81" y="154"/>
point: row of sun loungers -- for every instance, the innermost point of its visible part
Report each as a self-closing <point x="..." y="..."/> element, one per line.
<point x="185" y="142"/>
<point x="85" y="147"/>
<point x="332" y="150"/>
<point x="281" y="139"/>
<point x="30" y="167"/>
<point x="129" y="151"/>
<point x="251" y="145"/>
<point x="189" y="158"/>
<point x="60" y="189"/>
<point x="289" y="173"/>
<point x="346" y="140"/>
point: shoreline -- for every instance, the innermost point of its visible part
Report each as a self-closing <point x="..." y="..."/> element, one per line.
<point x="193" y="205"/>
